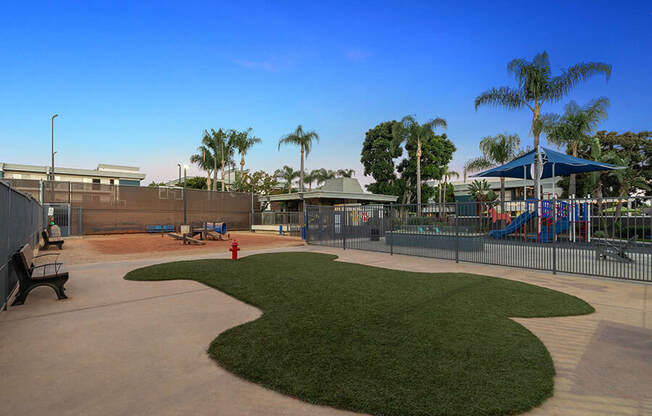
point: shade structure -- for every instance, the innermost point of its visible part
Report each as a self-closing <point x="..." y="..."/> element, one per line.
<point x="554" y="164"/>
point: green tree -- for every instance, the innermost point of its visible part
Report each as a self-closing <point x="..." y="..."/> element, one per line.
<point x="635" y="148"/>
<point x="243" y="142"/>
<point x="259" y="183"/>
<point x="496" y="150"/>
<point x="287" y="175"/>
<point x="303" y="139"/>
<point x="443" y="187"/>
<point x="483" y="194"/>
<point x="574" y="126"/>
<point x="536" y="86"/>
<point x="204" y="159"/>
<point x="345" y="173"/>
<point x="155" y="184"/>
<point x="216" y="143"/>
<point x="196" y="182"/>
<point x="410" y="130"/>
<point x="395" y="173"/>
<point x="379" y="151"/>
<point x="311" y="177"/>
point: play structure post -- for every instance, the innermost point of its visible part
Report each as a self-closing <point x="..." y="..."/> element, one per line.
<point x="588" y="219"/>
<point x="554" y="234"/>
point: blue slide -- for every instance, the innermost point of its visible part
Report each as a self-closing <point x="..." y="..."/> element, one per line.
<point x="517" y="223"/>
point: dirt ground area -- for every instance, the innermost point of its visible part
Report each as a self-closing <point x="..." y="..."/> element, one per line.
<point x="94" y="249"/>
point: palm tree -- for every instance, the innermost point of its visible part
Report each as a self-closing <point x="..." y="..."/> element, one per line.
<point x="575" y="126"/>
<point x="204" y="159"/>
<point x="345" y="173"/>
<point x="442" y="191"/>
<point x="409" y="129"/>
<point x="496" y="150"/>
<point x="287" y="175"/>
<point x="310" y="177"/>
<point x="537" y="86"/>
<point x="214" y="143"/>
<point x="481" y="192"/>
<point x="303" y="139"/>
<point x="323" y="175"/>
<point x="243" y="142"/>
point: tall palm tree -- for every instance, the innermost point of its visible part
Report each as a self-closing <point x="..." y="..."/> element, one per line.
<point x="573" y="127"/>
<point x="243" y="142"/>
<point x="215" y="142"/>
<point x="303" y="139"/>
<point x="345" y="173"/>
<point x="204" y="159"/>
<point x="409" y="129"/>
<point x="537" y="86"/>
<point x="287" y="175"/>
<point x="446" y="176"/>
<point x="496" y="150"/>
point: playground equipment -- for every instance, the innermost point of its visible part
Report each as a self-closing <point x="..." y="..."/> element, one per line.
<point x="562" y="215"/>
<point x="495" y="216"/>
<point x="615" y="250"/>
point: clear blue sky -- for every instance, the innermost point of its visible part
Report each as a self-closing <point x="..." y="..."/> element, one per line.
<point x="136" y="83"/>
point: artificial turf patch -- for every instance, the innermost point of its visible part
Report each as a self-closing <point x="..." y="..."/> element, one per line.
<point x="381" y="341"/>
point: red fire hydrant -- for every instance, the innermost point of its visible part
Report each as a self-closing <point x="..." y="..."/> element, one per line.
<point x="234" y="250"/>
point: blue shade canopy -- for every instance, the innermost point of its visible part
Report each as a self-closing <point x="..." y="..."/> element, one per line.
<point x="563" y="165"/>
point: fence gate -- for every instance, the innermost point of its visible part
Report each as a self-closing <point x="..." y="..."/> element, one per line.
<point x="61" y="216"/>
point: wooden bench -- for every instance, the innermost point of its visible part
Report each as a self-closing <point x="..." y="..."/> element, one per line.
<point x="51" y="240"/>
<point x="32" y="275"/>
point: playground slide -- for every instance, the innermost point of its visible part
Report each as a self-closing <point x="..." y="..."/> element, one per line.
<point x="516" y="224"/>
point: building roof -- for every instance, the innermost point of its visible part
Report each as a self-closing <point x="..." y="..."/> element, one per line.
<point x="73" y="171"/>
<point x="336" y="188"/>
<point x="116" y="168"/>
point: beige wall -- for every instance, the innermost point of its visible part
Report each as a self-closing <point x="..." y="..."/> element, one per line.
<point x="59" y="178"/>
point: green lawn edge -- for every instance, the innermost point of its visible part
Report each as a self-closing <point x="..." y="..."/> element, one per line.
<point x="381" y="341"/>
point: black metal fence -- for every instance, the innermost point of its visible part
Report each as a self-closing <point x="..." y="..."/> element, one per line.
<point x="21" y="222"/>
<point x="600" y="237"/>
<point x="288" y="222"/>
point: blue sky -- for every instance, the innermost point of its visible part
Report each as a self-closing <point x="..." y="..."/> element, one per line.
<point x="136" y="83"/>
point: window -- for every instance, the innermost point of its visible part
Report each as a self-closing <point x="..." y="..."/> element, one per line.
<point x="96" y="184"/>
<point x="111" y="182"/>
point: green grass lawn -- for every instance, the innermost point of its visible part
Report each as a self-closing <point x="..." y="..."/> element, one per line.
<point x="382" y="341"/>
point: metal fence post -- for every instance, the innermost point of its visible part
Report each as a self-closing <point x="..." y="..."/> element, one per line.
<point x="343" y="225"/>
<point x="391" y="229"/>
<point x="457" y="235"/>
<point x="554" y="235"/>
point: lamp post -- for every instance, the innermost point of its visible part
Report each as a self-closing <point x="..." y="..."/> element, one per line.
<point x="52" y="140"/>
<point x="185" y="210"/>
<point x="179" y="181"/>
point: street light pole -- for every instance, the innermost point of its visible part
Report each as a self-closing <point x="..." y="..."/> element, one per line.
<point x="179" y="181"/>
<point x="52" y="154"/>
<point x="185" y="205"/>
<point x="52" y="142"/>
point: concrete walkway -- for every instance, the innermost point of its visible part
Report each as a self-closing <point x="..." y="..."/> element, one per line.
<point x="122" y="347"/>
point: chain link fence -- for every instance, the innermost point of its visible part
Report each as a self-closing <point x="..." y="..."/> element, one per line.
<point x="21" y="222"/>
<point x="93" y="208"/>
<point x="607" y="237"/>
